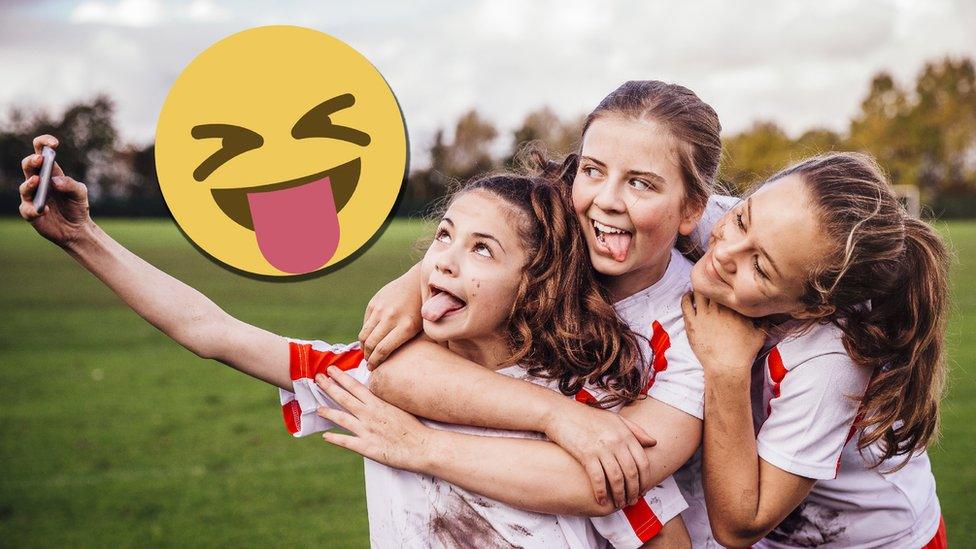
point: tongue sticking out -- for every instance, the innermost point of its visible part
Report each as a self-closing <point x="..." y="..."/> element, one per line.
<point x="297" y="228"/>
<point x="618" y="244"/>
<point x="439" y="305"/>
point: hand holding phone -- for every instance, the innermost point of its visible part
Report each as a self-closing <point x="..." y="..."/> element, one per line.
<point x="45" y="178"/>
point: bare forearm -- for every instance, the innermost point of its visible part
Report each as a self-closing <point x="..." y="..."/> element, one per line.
<point x="730" y="460"/>
<point x="529" y="474"/>
<point x="173" y="307"/>
<point x="464" y="393"/>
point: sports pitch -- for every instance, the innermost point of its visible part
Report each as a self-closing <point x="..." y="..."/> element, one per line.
<point x="113" y="435"/>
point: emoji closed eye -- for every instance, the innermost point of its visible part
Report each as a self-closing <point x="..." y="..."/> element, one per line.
<point x="234" y="140"/>
<point x="316" y="122"/>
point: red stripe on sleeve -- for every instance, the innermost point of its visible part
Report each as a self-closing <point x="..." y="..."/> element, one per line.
<point x="296" y="361"/>
<point x="776" y="372"/>
<point x="292" y="413"/>
<point x="319" y="361"/>
<point x="660" y="342"/>
<point x="642" y="519"/>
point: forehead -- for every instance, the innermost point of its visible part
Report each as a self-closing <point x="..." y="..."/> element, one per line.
<point x="480" y="211"/>
<point x="629" y="143"/>
<point x="785" y="224"/>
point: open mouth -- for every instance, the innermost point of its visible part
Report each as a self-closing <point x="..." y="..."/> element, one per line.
<point x="295" y="222"/>
<point x="614" y="241"/>
<point x="440" y="304"/>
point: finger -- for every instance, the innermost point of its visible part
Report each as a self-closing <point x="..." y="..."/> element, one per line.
<point x="699" y="302"/>
<point x="640" y="434"/>
<point x="643" y="467"/>
<point x="367" y="314"/>
<point x="631" y="475"/>
<point x="341" y="418"/>
<point x="31" y="163"/>
<point x="687" y="305"/>
<point x="69" y="186"/>
<point x="615" y="477"/>
<point x="397" y="337"/>
<point x="379" y="331"/>
<point x="28" y="187"/>
<point x="340" y="395"/>
<point x="45" y="139"/>
<point x="369" y="323"/>
<point x="350" y="384"/>
<point x="348" y="442"/>
<point x="598" y="480"/>
<point x="27" y="211"/>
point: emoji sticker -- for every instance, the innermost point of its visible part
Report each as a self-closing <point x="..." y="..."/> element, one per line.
<point x="280" y="151"/>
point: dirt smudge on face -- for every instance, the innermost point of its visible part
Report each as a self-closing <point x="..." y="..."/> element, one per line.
<point x="809" y="525"/>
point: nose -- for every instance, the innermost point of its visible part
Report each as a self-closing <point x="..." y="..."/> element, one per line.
<point x="727" y="246"/>
<point x="609" y="198"/>
<point x="446" y="261"/>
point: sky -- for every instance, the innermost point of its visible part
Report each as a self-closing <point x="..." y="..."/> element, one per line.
<point x="800" y="64"/>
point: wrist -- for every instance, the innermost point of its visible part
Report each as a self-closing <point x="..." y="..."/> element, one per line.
<point x="432" y="448"/>
<point x="83" y="239"/>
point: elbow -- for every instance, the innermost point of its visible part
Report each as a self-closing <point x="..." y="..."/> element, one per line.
<point x="205" y="335"/>
<point x="730" y="536"/>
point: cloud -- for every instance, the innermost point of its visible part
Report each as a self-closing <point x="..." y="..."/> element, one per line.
<point x="799" y="64"/>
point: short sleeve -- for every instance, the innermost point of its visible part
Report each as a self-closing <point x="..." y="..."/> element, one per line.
<point x="634" y="525"/>
<point x="677" y="377"/>
<point x="811" y="413"/>
<point x="308" y="358"/>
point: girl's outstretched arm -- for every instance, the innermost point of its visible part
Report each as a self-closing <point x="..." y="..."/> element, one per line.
<point x="177" y="310"/>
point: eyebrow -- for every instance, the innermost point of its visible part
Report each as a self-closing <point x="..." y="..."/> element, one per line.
<point x="478" y="235"/>
<point x="641" y="173"/>
<point x="758" y="247"/>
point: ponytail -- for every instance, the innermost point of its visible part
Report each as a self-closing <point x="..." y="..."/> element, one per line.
<point x="887" y="283"/>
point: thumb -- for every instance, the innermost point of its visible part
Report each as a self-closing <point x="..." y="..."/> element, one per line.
<point x="643" y="438"/>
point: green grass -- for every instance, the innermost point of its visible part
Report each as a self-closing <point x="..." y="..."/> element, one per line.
<point x="111" y="434"/>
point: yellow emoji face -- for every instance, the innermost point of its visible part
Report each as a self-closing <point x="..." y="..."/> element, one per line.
<point x="280" y="151"/>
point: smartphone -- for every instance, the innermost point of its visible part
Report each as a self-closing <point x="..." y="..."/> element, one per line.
<point x="41" y="195"/>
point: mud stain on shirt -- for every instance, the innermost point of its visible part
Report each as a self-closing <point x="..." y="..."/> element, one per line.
<point x="809" y="525"/>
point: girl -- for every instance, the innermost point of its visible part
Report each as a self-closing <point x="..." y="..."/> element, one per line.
<point x="853" y="294"/>
<point x="491" y="272"/>
<point x="845" y="403"/>
<point x="640" y="181"/>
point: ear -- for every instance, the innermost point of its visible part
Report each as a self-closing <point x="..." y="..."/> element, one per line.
<point x="690" y="216"/>
<point x="812" y="313"/>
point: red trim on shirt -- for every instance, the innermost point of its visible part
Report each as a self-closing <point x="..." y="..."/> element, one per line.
<point x="660" y="342"/>
<point x="940" y="540"/>
<point x="292" y="413"/>
<point x="777" y="372"/>
<point x="642" y="519"/>
<point x="306" y="361"/>
<point x="585" y="397"/>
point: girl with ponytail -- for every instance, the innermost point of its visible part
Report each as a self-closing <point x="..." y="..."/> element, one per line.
<point x="829" y="450"/>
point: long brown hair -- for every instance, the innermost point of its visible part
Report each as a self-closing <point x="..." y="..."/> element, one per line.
<point x="562" y="325"/>
<point x="692" y="123"/>
<point x="888" y="280"/>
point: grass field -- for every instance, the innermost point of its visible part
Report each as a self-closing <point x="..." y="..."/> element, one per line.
<point x="111" y="434"/>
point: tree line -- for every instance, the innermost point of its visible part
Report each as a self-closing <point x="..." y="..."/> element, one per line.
<point x="923" y="134"/>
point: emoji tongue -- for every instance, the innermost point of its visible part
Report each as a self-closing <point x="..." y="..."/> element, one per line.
<point x="439" y="305"/>
<point x="297" y="228"/>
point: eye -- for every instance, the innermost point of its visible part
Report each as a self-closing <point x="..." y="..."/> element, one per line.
<point x="483" y="250"/>
<point x="640" y="184"/>
<point x="234" y="140"/>
<point x="316" y="122"/>
<point x="759" y="271"/>
<point x="590" y="171"/>
<point x="442" y="236"/>
<point x="738" y="219"/>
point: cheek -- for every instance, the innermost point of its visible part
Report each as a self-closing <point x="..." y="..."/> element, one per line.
<point x="582" y="197"/>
